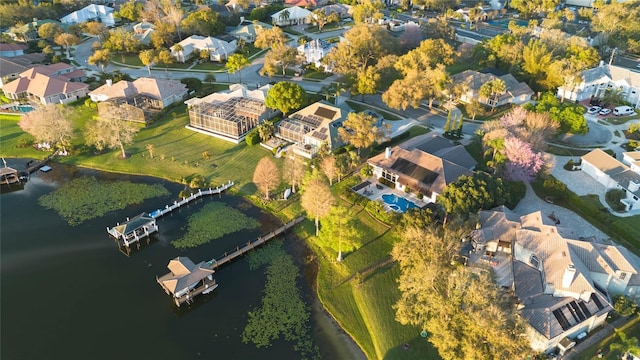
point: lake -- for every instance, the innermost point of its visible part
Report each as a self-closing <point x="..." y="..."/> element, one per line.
<point x="69" y="293"/>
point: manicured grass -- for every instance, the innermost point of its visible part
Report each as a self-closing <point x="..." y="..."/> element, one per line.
<point x="360" y="291"/>
<point x="11" y="136"/>
<point x="459" y="67"/>
<point x="134" y="60"/>
<point x="632" y="329"/>
<point x="211" y="66"/>
<point x="557" y="150"/>
<point x="615" y="120"/>
<point x="178" y="153"/>
<point x="316" y="75"/>
<point x="362" y="107"/>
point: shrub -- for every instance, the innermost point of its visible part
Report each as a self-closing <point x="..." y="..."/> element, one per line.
<point x="514" y="192"/>
<point x="624" y="306"/>
<point x="613" y="198"/>
<point x="554" y="187"/>
<point x="569" y="165"/>
<point x="387" y="182"/>
<point x="377" y="210"/>
<point x="253" y="138"/>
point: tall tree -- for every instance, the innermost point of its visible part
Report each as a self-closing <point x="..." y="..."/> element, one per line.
<point x="100" y="58"/>
<point x="416" y="87"/>
<point x="329" y="167"/>
<point x="367" y="11"/>
<point x="66" y="40"/>
<point x="367" y="81"/>
<point x="338" y="231"/>
<point x="130" y="11"/>
<point x="429" y="54"/>
<point x="235" y="63"/>
<point x="175" y="16"/>
<point x="316" y="199"/>
<point x="162" y="35"/>
<point x="49" y="31"/>
<point x="285" y="96"/>
<point x="362" y="47"/>
<point x="294" y="170"/>
<point x="468" y="194"/>
<point x="492" y="89"/>
<point x="266" y="176"/>
<point x="164" y="57"/>
<point x="265" y="130"/>
<point x="148" y="59"/>
<point x="106" y="133"/>
<point x="49" y="124"/>
<point x="204" y="22"/>
<point x="270" y="38"/>
<point x="360" y="130"/>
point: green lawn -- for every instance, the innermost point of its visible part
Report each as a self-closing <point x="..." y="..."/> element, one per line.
<point x="316" y="75"/>
<point x="10" y="137"/>
<point x="211" y="66"/>
<point x="360" y="292"/>
<point x="134" y="60"/>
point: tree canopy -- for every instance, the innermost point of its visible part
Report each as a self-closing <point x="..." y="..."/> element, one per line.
<point x="338" y="231"/>
<point x="266" y="176"/>
<point x="360" y="130"/>
<point x="285" y="96"/>
<point x="48" y="123"/>
<point x="203" y="22"/>
<point x="316" y="199"/>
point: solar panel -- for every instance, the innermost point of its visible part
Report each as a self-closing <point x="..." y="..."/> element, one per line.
<point x="319" y="135"/>
<point x="577" y="310"/>
<point x="561" y="319"/>
<point x="414" y="171"/>
<point x="325" y="113"/>
<point x="573" y="313"/>
<point x="584" y="309"/>
<point x="595" y="299"/>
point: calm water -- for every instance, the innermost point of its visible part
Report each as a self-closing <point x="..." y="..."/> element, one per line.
<point x="68" y="293"/>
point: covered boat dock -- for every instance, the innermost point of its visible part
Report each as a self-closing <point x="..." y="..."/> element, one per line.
<point x="187" y="280"/>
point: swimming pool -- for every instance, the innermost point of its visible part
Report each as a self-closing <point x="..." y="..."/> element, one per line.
<point x="398" y="203"/>
<point x="22" y="108"/>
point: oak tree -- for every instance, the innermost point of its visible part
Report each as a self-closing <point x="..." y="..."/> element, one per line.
<point x="100" y="57"/>
<point x="360" y="130"/>
<point x="285" y="96"/>
<point x="110" y="133"/>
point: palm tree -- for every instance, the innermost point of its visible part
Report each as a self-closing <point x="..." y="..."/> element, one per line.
<point x="284" y="16"/>
<point x="177" y="48"/>
<point x="493" y="88"/>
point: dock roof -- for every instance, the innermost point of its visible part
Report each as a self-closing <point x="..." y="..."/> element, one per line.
<point x="183" y="274"/>
<point x="134" y="223"/>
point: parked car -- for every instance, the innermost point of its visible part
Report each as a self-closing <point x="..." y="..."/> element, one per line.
<point x="594" y="110"/>
<point x="605" y="111"/>
<point x="623" y="110"/>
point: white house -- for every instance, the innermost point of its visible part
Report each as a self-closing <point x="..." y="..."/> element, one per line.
<point x="314" y="50"/>
<point x="219" y="50"/>
<point x="632" y="159"/>
<point x="142" y="31"/>
<point x="613" y="175"/>
<point x="291" y="16"/>
<point x="593" y="83"/>
<point x="93" y="12"/>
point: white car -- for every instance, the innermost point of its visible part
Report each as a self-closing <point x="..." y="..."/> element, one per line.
<point x="594" y="110"/>
<point x="605" y="111"/>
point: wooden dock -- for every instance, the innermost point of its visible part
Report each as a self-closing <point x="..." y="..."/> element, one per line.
<point x="205" y="283"/>
<point x="177" y="204"/>
<point x="34" y="166"/>
<point x="239" y="251"/>
<point x="125" y="237"/>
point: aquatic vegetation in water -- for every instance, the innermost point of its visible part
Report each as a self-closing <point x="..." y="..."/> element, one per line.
<point x="87" y="198"/>
<point x="283" y="312"/>
<point x="213" y="221"/>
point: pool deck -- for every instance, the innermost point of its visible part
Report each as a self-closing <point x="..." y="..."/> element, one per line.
<point x="372" y="192"/>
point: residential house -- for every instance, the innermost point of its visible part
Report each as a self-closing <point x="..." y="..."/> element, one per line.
<point x="11" y="50"/>
<point x="425" y="164"/>
<point x="137" y="101"/>
<point x="463" y="13"/>
<point x="29" y="31"/>
<point x="92" y="12"/>
<point x="343" y="10"/>
<point x="313" y="127"/>
<point x="218" y="49"/>
<point x="229" y="115"/>
<point x="314" y="50"/>
<point x="470" y="82"/>
<point x="595" y="82"/>
<point x="613" y="175"/>
<point x="10" y="68"/>
<point x="309" y="4"/>
<point x="51" y="84"/>
<point x="142" y="32"/>
<point x="291" y="16"/>
<point x="563" y="286"/>
<point x="248" y="30"/>
<point x="632" y="159"/>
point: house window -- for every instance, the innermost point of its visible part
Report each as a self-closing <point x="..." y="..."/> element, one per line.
<point x="533" y="260"/>
<point x="635" y="198"/>
<point x="623" y="276"/>
<point x="389" y="176"/>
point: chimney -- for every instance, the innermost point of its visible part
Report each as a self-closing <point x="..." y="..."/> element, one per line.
<point x="241" y="19"/>
<point x="568" y="276"/>
<point x="387" y="152"/>
<point x="601" y="63"/>
<point x="109" y="82"/>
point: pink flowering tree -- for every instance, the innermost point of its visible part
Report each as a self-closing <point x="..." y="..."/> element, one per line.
<point x="523" y="164"/>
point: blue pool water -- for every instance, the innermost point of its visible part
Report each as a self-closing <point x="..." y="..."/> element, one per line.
<point x="22" y="108"/>
<point x="398" y="203"/>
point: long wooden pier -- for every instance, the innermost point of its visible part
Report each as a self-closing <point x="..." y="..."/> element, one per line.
<point x="239" y="251"/>
<point x="133" y="230"/>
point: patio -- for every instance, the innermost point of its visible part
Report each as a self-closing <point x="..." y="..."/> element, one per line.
<point x="373" y="190"/>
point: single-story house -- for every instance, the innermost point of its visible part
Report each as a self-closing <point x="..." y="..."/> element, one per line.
<point x="563" y="286"/>
<point x="229" y="115"/>
<point x="313" y="126"/>
<point x="483" y="13"/>
<point x="218" y="49"/>
<point x="142" y="32"/>
<point x="10" y="68"/>
<point x="471" y="81"/>
<point x="11" y="50"/>
<point x="343" y="10"/>
<point x="632" y="159"/>
<point x="613" y="175"/>
<point x="51" y="84"/>
<point x="164" y="92"/>
<point x="425" y="164"/>
<point x="291" y="16"/>
<point x="594" y="83"/>
<point x="92" y="12"/>
<point x="314" y="50"/>
<point x="29" y="31"/>
<point x="248" y="30"/>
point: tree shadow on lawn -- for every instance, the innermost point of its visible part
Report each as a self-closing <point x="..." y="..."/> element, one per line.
<point x="416" y="348"/>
